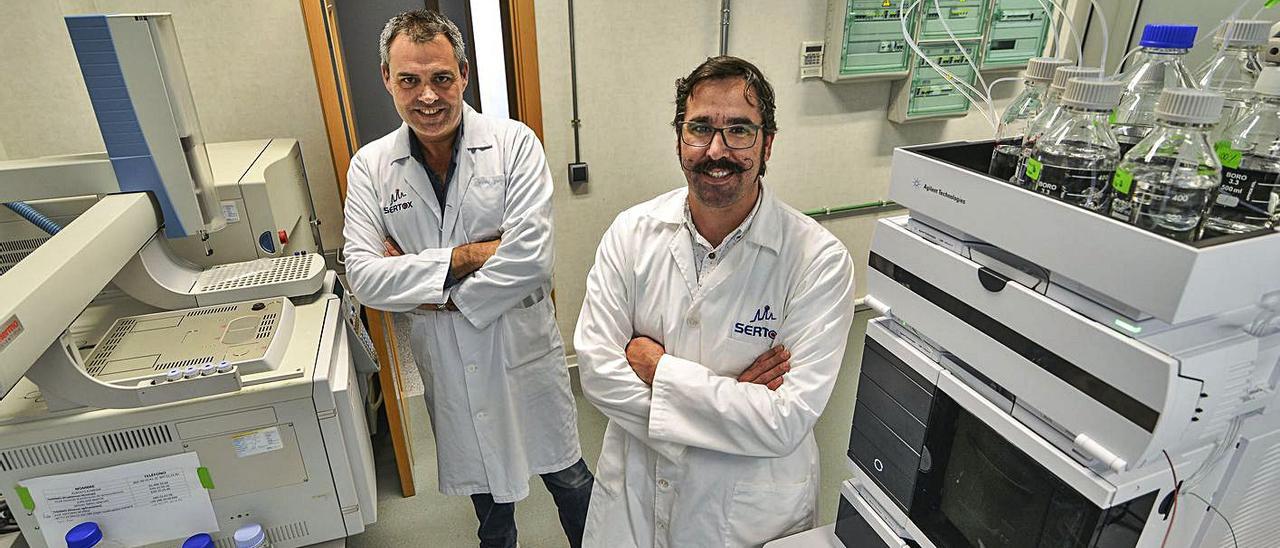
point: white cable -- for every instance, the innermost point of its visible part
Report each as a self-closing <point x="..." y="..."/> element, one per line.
<point x="1125" y="59"/>
<point x="1071" y="28"/>
<point x="1235" y="14"/>
<point x="965" y="52"/>
<point x="1106" y="36"/>
<point x="964" y="88"/>
<point x="1005" y="79"/>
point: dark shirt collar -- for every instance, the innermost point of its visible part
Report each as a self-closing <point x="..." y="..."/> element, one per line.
<point x="441" y="187"/>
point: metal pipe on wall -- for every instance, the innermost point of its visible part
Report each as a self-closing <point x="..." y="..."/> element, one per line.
<point x="573" y="88"/>
<point x="724" y="27"/>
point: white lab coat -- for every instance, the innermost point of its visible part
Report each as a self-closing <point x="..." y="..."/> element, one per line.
<point x="495" y="376"/>
<point x="700" y="459"/>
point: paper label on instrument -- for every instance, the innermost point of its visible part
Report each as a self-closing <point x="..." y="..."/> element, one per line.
<point x="231" y="212"/>
<point x="125" y="500"/>
<point x="257" y="442"/>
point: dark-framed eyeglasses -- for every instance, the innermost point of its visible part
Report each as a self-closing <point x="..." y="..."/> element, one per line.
<point x="736" y="136"/>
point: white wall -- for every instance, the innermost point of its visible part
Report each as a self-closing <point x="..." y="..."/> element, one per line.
<point x="833" y="148"/>
<point x="248" y="62"/>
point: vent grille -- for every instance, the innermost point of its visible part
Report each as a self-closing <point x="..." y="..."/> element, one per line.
<point x="102" y="353"/>
<point x="12" y="253"/>
<point x="96" y="445"/>
<point x="1255" y="519"/>
<point x="267" y="326"/>
<point x="275" y="535"/>
<point x="183" y="364"/>
<point x="214" y="310"/>
<point x="257" y="273"/>
<point x="1235" y="382"/>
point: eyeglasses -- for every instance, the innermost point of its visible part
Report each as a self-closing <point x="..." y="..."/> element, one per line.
<point x="736" y="136"/>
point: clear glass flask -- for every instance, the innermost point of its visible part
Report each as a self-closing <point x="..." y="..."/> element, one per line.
<point x="1050" y="111"/>
<point x="1075" y="158"/>
<point x="1157" y="65"/>
<point x="1167" y="181"/>
<point x="1249" y="149"/>
<point x="1018" y="115"/>
<point x="1235" y="65"/>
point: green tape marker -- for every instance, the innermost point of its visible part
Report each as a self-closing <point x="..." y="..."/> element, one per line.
<point x="1033" y="168"/>
<point x="1271" y="3"/>
<point x="1112" y="118"/>
<point x="25" y="497"/>
<point x="1230" y="157"/>
<point x="206" y="480"/>
<point x="1122" y="181"/>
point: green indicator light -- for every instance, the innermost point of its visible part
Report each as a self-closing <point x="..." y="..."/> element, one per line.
<point x="1128" y="326"/>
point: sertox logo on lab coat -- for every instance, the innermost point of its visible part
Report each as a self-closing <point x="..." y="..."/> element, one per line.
<point x="396" y="204"/>
<point x="752" y="329"/>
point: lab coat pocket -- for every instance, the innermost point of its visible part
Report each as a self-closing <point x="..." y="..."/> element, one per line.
<point x="483" y="208"/>
<point x="530" y="332"/>
<point x="761" y="512"/>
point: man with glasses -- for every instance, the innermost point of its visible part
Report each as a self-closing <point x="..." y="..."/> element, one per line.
<point x="714" y="325"/>
<point x="448" y="218"/>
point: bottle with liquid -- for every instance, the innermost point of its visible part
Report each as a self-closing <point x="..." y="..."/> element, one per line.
<point x="1050" y="110"/>
<point x="1018" y="115"/>
<point x="251" y="536"/>
<point x="1249" y="149"/>
<point x="89" y="535"/>
<point x="1156" y="66"/>
<point x="1075" y="158"/>
<point x="1165" y="184"/>
<point x="1235" y="65"/>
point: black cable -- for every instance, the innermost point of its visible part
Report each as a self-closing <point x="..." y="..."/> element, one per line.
<point x="1224" y="518"/>
<point x="1171" y="499"/>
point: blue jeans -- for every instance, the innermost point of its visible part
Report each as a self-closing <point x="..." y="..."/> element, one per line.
<point x="570" y="488"/>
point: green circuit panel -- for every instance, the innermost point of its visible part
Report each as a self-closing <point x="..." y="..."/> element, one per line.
<point x="873" y="41"/>
<point x="965" y="18"/>
<point x="935" y="94"/>
<point x="1017" y="33"/>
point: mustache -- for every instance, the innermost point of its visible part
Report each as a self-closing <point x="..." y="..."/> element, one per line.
<point x="707" y="166"/>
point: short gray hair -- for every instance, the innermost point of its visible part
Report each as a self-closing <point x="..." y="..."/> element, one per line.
<point x="421" y="26"/>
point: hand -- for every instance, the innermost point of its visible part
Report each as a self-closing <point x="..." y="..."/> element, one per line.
<point x="643" y="354"/>
<point x="390" y="248"/>
<point x="468" y="258"/>
<point x="768" y="368"/>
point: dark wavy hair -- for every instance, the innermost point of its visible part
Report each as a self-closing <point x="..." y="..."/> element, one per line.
<point x="759" y="92"/>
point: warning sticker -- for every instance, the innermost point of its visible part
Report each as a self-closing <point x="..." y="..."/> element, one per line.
<point x="9" y="330"/>
<point x="257" y="442"/>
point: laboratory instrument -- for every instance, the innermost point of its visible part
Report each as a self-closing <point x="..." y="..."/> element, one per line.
<point x="1167" y="181"/>
<point x="1249" y="150"/>
<point x="245" y="366"/>
<point x="1075" y="157"/>
<point x="1157" y="65"/>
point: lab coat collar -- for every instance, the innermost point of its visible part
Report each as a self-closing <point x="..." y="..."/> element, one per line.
<point x="763" y="230"/>
<point x="478" y="135"/>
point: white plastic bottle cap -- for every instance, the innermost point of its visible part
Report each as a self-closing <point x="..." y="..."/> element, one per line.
<point x="250" y="536"/>
<point x="1093" y="93"/>
<point x="1242" y="32"/>
<point x="224" y="367"/>
<point x="1268" y="82"/>
<point x="1041" y="69"/>
<point x="1062" y="74"/>
<point x="190" y="372"/>
<point x="207" y="369"/>
<point x="173" y="375"/>
<point x="1190" y="106"/>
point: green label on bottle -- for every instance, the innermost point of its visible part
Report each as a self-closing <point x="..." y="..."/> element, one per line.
<point x="1271" y="3"/>
<point x="1112" y="118"/>
<point x="1033" y="169"/>
<point x="1230" y="157"/>
<point x="1122" y="181"/>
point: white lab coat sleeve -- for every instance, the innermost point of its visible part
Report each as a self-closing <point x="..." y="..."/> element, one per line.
<point x="696" y="407"/>
<point x="524" y="258"/>
<point x="604" y="328"/>
<point x="395" y="284"/>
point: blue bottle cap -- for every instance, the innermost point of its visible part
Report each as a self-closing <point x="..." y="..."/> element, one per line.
<point x="202" y="540"/>
<point x="1168" y="36"/>
<point x="85" y="535"/>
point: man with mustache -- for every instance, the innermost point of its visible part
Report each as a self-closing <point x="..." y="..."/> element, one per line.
<point x="714" y="325"/>
<point x="448" y="218"/>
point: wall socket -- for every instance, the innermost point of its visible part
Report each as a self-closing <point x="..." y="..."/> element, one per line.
<point x="577" y="173"/>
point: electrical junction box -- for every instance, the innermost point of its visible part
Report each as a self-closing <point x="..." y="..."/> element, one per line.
<point x="1017" y="32"/>
<point x="864" y="41"/>
<point x="930" y="94"/>
<point x="964" y="18"/>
